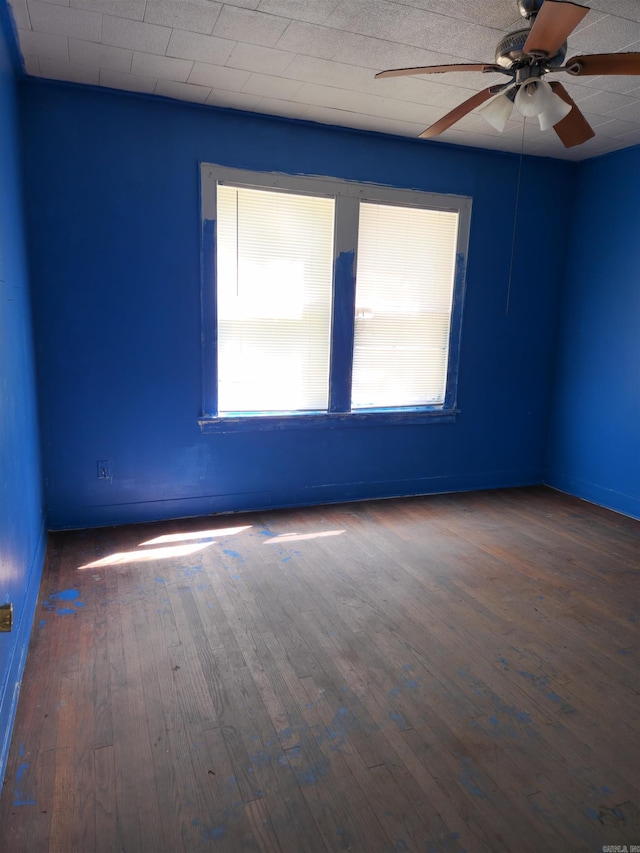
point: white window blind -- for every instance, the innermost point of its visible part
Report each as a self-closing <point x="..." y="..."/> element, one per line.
<point x="404" y="291"/>
<point x="274" y="285"/>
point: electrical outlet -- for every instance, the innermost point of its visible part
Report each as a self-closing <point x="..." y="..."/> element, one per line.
<point x="104" y="469"/>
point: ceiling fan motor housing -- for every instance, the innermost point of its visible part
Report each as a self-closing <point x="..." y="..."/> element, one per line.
<point x="529" y="8"/>
<point x="510" y="51"/>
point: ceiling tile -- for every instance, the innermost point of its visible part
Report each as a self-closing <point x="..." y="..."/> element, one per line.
<point x="164" y="67"/>
<point x="235" y="100"/>
<point x="195" y="17"/>
<point x="135" y="35"/>
<point x="128" y="82"/>
<point x="49" y="45"/>
<point x="199" y="47"/>
<point x="69" y="72"/>
<point x="57" y="2"/>
<point x="361" y="121"/>
<point x="368" y="17"/>
<point x="630" y="112"/>
<point x="437" y="32"/>
<point x="632" y="138"/>
<point x="310" y="69"/>
<point x="99" y="55"/>
<point x="248" y="26"/>
<point x="623" y="85"/>
<point x="183" y="91"/>
<point x="20" y="14"/>
<point x="278" y="107"/>
<point x="603" y="103"/>
<point x="267" y="85"/>
<point x="607" y="34"/>
<point x="354" y="78"/>
<point x="124" y="8"/>
<point x="616" y="127"/>
<point x="379" y="54"/>
<point x="327" y="96"/>
<point x="629" y="9"/>
<point x="311" y="40"/>
<point x="243" y="4"/>
<point x="315" y="11"/>
<point x="50" y="18"/>
<point x="265" y="60"/>
<point x="32" y="66"/>
<point x="218" y="76"/>
<point x="501" y="14"/>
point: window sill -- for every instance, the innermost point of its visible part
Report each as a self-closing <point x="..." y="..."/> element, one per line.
<point x="326" y="420"/>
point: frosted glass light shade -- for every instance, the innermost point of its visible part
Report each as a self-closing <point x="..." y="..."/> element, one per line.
<point x="532" y="98"/>
<point x="555" y="110"/>
<point x="497" y="112"/>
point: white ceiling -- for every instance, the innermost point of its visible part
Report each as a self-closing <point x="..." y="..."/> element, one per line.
<point x="316" y="59"/>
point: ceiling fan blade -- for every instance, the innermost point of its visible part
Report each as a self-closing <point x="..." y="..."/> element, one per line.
<point x="460" y="112"/>
<point x="603" y="63"/>
<point x="554" y="23"/>
<point x="440" y="69"/>
<point x="573" y="129"/>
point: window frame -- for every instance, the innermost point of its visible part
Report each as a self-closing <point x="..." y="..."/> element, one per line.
<point x="347" y="195"/>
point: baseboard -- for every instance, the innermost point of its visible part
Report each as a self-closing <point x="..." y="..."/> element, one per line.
<point x="595" y="494"/>
<point x="10" y="687"/>
<point x="283" y="498"/>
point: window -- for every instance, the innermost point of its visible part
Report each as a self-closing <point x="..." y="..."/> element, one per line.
<point x="326" y="300"/>
<point x="274" y="283"/>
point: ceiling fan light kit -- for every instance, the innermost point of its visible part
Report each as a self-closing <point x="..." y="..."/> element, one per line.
<point x="526" y="56"/>
<point x="498" y="111"/>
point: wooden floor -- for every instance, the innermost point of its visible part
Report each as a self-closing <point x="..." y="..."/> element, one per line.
<point x="449" y="673"/>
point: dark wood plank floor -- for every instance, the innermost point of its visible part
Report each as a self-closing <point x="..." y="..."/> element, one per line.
<point x="439" y="674"/>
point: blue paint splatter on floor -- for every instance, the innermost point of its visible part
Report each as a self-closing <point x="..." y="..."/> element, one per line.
<point x="399" y="720"/>
<point x="541" y="681"/>
<point x="43" y="622"/>
<point x="66" y="596"/>
<point x="231" y="553"/>
<point x="20" y="795"/>
<point x="207" y="832"/>
<point x="191" y="571"/>
<point x="312" y="774"/>
<point x="160" y="580"/>
<point x="286" y="559"/>
<point x="466" y="779"/>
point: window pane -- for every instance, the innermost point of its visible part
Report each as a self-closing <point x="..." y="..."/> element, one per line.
<point x="274" y="283"/>
<point x="404" y="291"/>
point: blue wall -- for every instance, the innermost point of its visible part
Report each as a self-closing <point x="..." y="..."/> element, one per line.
<point x="113" y="217"/>
<point x="594" y="447"/>
<point x="22" y="537"/>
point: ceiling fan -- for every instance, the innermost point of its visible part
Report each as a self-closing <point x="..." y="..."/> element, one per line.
<point x="526" y="56"/>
